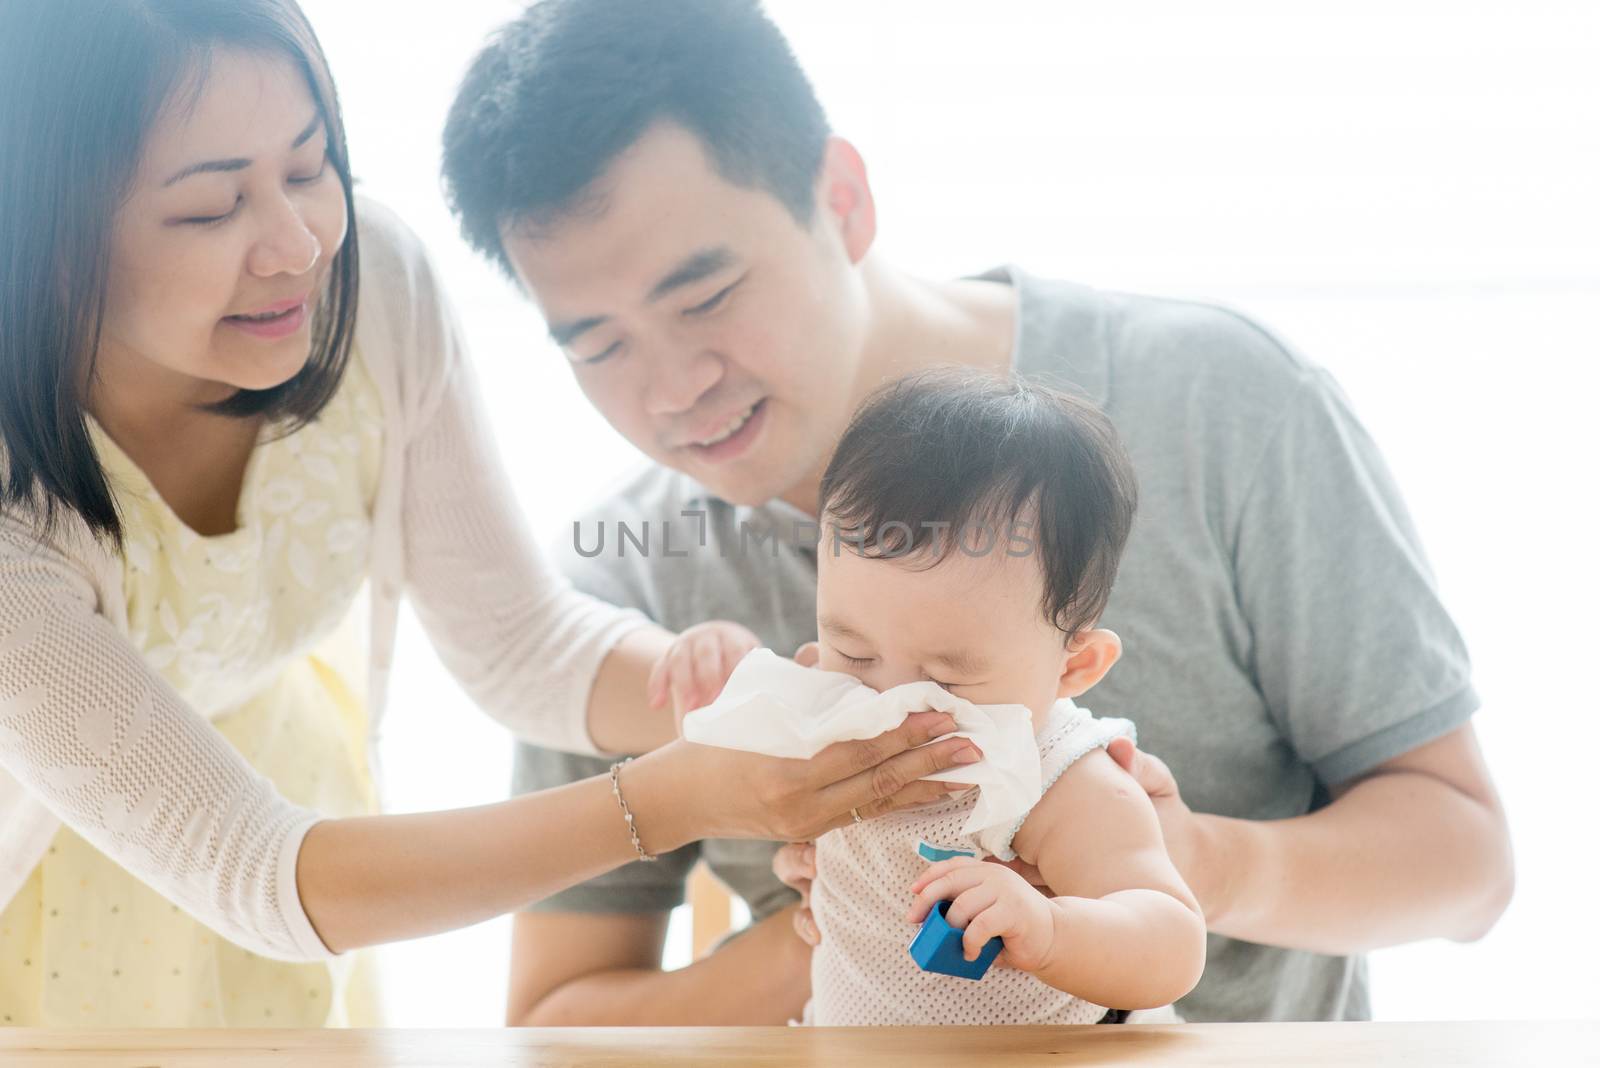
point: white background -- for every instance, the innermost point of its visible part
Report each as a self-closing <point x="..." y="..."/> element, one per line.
<point x="1407" y="191"/>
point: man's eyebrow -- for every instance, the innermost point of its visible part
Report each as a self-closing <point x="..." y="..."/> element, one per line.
<point x="224" y="166"/>
<point x="961" y="662"/>
<point x="707" y="261"/>
<point x="840" y="627"/>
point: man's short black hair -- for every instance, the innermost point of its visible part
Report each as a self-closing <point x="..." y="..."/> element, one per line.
<point x="562" y="91"/>
<point x="959" y="459"/>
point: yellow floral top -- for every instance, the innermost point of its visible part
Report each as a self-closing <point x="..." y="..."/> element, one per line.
<point x="254" y="629"/>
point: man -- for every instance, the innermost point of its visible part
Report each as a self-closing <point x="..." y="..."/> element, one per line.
<point x="662" y="181"/>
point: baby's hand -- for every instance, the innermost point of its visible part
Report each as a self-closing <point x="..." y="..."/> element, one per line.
<point x="990" y="901"/>
<point x="696" y="666"/>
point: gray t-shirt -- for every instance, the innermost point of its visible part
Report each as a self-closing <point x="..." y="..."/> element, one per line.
<point x="1281" y="628"/>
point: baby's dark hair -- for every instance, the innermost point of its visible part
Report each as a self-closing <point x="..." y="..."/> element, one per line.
<point x="943" y="460"/>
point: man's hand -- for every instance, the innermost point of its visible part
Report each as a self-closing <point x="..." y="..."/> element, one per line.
<point x="1181" y="830"/>
<point x="989" y="901"/>
<point x="795" y="865"/>
<point x="693" y="670"/>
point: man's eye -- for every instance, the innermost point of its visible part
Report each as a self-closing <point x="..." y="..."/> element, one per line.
<point x="712" y="304"/>
<point x="606" y="355"/>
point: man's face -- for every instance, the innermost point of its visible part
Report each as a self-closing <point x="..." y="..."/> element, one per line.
<point x="711" y="329"/>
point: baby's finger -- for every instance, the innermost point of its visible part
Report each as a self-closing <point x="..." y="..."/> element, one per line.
<point x="655" y="687"/>
<point x="680" y="677"/>
<point x="986" y="925"/>
<point x="708" y="676"/>
<point x="939" y="870"/>
<point x="967" y="906"/>
<point x="941" y="889"/>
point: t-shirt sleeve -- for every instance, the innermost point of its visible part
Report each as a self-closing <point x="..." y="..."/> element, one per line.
<point x="1354" y="652"/>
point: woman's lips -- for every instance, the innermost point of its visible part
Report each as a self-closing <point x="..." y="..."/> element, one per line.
<point x="274" y="323"/>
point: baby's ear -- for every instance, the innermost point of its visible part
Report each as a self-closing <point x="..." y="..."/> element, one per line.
<point x="807" y="655"/>
<point x="1086" y="659"/>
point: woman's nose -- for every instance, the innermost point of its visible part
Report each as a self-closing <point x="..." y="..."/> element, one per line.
<point x="287" y="243"/>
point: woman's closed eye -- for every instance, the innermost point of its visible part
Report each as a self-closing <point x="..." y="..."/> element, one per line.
<point x="312" y="179"/>
<point x="213" y="220"/>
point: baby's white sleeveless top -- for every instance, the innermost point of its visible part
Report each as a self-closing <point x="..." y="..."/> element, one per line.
<point x="863" y="975"/>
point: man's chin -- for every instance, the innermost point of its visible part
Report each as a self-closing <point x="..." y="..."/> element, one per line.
<point x="736" y="492"/>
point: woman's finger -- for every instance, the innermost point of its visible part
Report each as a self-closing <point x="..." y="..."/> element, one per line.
<point x="843" y="759"/>
<point x="921" y="792"/>
<point x="884" y="779"/>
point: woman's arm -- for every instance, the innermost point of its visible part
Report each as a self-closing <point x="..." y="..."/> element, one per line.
<point x="106" y="744"/>
<point x="556" y="666"/>
<point x="103" y="742"/>
<point x="385" y="878"/>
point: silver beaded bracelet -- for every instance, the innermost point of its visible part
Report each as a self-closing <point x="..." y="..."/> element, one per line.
<point x="616" y="790"/>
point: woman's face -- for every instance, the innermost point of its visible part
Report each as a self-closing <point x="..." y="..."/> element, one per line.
<point x="219" y="254"/>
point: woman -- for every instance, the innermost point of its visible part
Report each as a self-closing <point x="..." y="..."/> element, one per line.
<point x="209" y="445"/>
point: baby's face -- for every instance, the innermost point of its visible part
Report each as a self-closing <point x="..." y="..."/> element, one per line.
<point x="971" y="624"/>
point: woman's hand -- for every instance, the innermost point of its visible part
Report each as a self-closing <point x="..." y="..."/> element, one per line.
<point x="684" y="792"/>
<point x="989" y="901"/>
<point x="695" y="667"/>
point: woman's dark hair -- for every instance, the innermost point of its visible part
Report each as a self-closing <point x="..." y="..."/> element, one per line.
<point x="559" y="93"/>
<point x="81" y="84"/>
<point x="961" y="459"/>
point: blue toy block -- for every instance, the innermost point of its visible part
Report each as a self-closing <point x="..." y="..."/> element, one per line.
<point x="937" y="948"/>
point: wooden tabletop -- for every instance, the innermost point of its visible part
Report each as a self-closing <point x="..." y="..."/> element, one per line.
<point x="1412" y="1045"/>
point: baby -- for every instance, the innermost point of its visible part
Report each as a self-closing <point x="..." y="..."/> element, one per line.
<point x="972" y="527"/>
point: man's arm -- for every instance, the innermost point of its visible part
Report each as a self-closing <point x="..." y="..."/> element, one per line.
<point x="1416" y="848"/>
<point x="603" y="970"/>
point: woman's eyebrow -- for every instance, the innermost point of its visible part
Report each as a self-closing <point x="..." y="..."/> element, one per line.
<point x="223" y="166"/>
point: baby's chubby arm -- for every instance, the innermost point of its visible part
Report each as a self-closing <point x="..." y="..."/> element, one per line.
<point x="1123" y="931"/>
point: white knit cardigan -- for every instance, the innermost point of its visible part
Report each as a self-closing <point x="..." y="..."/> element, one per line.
<point x="90" y="736"/>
